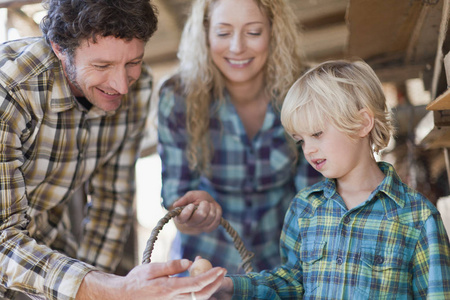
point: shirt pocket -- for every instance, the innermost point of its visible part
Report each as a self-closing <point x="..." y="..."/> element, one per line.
<point x="382" y="273"/>
<point x="311" y="257"/>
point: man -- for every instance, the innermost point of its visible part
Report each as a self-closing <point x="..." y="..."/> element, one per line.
<point x="73" y="106"/>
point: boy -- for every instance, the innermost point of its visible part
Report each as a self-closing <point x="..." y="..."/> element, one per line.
<point x="361" y="233"/>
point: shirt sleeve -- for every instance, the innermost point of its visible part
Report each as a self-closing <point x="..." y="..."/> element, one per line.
<point x="284" y="282"/>
<point x="177" y="178"/>
<point x="25" y="265"/>
<point x="431" y="261"/>
<point x="111" y="191"/>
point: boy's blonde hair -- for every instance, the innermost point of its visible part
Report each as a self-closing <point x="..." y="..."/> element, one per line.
<point x="336" y="91"/>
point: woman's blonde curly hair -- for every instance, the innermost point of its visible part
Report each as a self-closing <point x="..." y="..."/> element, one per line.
<point x="202" y="81"/>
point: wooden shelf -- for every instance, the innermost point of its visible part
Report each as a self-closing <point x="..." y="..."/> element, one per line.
<point x="433" y="132"/>
<point x="440" y="103"/>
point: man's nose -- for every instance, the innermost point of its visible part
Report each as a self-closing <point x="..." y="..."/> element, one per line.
<point x="119" y="81"/>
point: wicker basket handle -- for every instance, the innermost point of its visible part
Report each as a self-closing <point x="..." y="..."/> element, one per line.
<point x="246" y="255"/>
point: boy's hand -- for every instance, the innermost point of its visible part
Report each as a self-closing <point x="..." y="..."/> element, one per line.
<point x="225" y="291"/>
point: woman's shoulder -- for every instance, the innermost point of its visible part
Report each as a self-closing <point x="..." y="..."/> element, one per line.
<point x="171" y="93"/>
<point x="170" y="83"/>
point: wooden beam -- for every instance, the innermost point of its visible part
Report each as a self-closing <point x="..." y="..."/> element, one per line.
<point x="424" y="37"/>
<point x="439" y="54"/>
<point x="325" y="42"/>
<point x="17" y="3"/>
<point x="380" y="27"/>
<point x="400" y="73"/>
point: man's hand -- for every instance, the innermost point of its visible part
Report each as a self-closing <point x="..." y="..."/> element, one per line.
<point x="151" y="281"/>
<point x="201" y="214"/>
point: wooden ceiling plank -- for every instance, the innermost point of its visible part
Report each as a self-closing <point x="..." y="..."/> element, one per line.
<point x="424" y="39"/>
<point x="380" y="26"/>
<point x="325" y="42"/>
<point x="439" y="54"/>
<point x="17" y="3"/>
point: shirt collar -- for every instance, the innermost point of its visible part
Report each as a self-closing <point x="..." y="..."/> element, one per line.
<point x="391" y="185"/>
<point x="228" y="114"/>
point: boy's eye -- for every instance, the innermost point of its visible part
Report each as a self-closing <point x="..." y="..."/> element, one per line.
<point x="317" y="134"/>
<point x="299" y="142"/>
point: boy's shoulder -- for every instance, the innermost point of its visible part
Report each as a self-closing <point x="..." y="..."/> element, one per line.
<point x="413" y="208"/>
<point x="404" y="203"/>
<point x="310" y="197"/>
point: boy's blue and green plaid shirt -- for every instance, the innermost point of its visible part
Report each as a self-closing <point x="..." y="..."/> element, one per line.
<point x="50" y="146"/>
<point x="392" y="246"/>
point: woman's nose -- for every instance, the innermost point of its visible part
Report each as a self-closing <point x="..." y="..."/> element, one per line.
<point x="237" y="44"/>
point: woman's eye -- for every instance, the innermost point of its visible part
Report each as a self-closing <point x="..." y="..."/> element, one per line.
<point x="222" y="34"/>
<point x="255" y="33"/>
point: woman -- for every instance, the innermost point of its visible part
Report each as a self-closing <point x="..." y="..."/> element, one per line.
<point x="221" y="141"/>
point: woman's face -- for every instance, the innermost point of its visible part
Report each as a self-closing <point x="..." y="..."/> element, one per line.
<point x="239" y="37"/>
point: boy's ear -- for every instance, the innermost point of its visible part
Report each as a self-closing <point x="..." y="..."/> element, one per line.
<point x="368" y="121"/>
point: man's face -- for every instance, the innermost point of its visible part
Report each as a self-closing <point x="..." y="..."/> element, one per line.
<point x="103" y="71"/>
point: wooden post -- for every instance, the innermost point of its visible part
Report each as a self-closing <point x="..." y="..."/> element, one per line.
<point x="447" y="164"/>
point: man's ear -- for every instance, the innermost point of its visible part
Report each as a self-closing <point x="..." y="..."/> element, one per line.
<point x="368" y="121"/>
<point x="58" y="51"/>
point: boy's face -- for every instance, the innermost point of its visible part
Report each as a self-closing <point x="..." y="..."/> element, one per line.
<point x="332" y="152"/>
<point x="103" y="71"/>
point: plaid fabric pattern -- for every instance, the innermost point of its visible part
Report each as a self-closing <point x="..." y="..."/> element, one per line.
<point x="393" y="246"/>
<point x="50" y="147"/>
<point x="253" y="181"/>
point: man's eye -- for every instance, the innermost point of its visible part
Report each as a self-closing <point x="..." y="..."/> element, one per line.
<point x="100" y="67"/>
<point x="135" y="63"/>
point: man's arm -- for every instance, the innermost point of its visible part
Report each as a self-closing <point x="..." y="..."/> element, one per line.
<point x="25" y="264"/>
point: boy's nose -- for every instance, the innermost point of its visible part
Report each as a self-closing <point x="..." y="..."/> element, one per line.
<point x="308" y="148"/>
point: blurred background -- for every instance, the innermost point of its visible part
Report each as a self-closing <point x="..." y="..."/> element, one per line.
<point x="406" y="42"/>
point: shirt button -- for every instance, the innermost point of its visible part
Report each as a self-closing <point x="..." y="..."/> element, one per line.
<point x="346" y="220"/>
<point x="339" y="260"/>
<point x="379" y="259"/>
